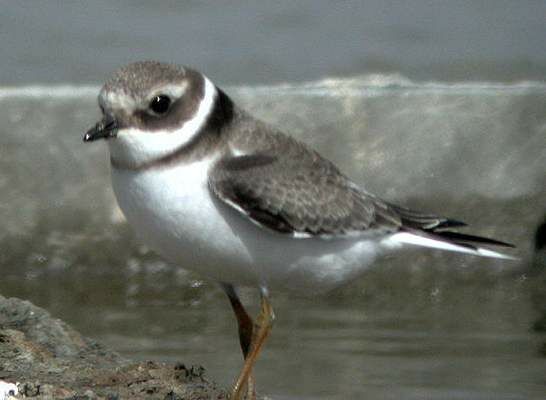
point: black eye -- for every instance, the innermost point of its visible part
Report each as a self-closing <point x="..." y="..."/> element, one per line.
<point x="160" y="104"/>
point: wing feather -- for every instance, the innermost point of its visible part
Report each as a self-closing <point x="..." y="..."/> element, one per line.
<point x="302" y="196"/>
<point x="281" y="184"/>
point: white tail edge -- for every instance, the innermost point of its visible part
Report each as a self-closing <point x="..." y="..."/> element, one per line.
<point x="417" y="240"/>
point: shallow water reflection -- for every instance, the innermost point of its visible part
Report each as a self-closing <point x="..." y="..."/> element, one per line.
<point x="418" y="325"/>
<point x="399" y="332"/>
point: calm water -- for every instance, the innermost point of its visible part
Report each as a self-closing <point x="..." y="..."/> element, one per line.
<point x="438" y="105"/>
<point x="283" y="40"/>
<point x="419" y="325"/>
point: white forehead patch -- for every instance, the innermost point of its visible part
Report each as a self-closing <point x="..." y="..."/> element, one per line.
<point x="136" y="146"/>
<point x="119" y="100"/>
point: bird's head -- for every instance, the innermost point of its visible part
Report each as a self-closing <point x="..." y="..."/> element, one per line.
<point x="150" y="109"/>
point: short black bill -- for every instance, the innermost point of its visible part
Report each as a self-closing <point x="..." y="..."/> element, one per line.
<point x="107" y="128"/>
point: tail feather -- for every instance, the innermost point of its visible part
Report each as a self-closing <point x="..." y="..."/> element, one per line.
<point x="430" y="230"/>
<point x="450" y="241"/>
<point x="463" y="238"/>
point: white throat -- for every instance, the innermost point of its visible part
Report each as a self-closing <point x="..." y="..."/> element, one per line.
<point x="134" y="146"/>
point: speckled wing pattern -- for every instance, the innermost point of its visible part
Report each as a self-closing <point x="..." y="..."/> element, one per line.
<point x="303" y="194"/>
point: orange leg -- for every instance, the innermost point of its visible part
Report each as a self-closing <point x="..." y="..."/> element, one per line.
<point x="246" y="329"/>
<point x="260" y="332"/>
<point x="244" y="321"/>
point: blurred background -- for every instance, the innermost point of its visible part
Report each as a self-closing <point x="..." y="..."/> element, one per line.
<point x="437" y="105"/>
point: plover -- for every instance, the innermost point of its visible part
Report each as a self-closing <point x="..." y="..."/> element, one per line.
<point x="217" y="191"/>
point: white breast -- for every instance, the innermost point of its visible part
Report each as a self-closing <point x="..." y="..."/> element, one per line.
<point x="174" y="212"/>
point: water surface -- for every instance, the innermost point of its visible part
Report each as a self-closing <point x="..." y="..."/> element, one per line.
<point x="418" y="325"/>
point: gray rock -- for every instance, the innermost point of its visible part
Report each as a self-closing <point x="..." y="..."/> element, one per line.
<point x="50" y="360"/>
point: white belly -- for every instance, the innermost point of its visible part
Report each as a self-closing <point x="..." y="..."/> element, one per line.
<point x="174" y="212"/>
